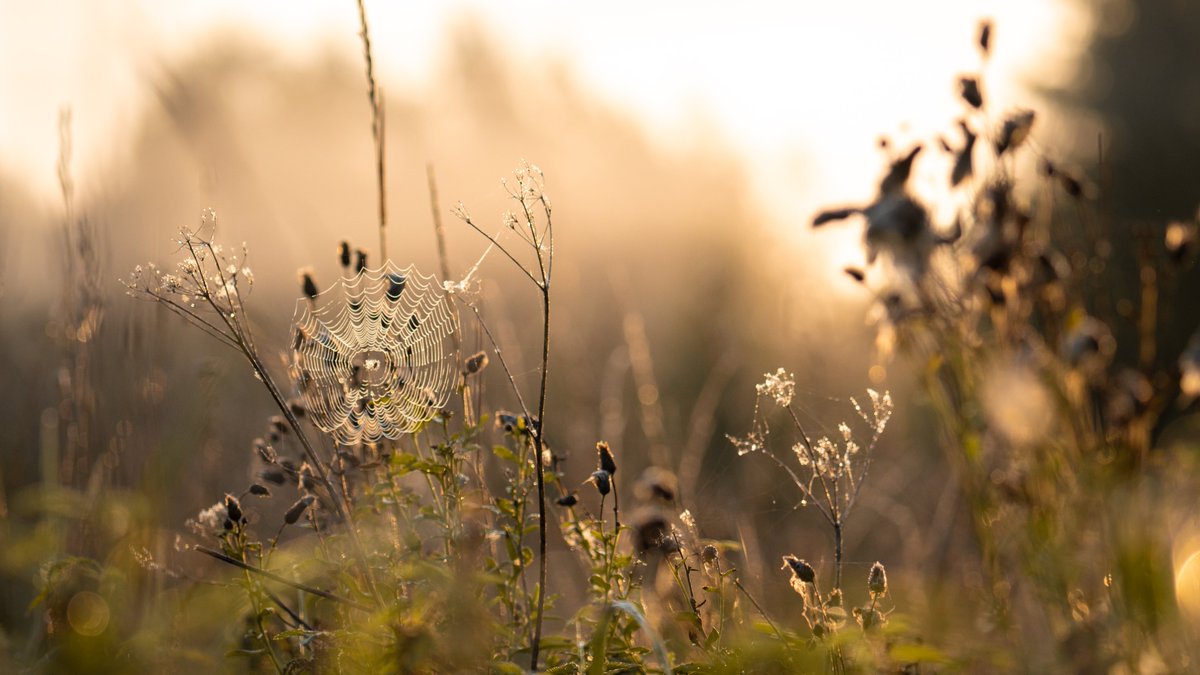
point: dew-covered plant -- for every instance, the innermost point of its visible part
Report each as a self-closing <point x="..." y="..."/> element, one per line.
<point x="829" y="474"/>
<point x="1050" y="394"/>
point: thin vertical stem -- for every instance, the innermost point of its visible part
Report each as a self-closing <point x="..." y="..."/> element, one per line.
<point x="377" y="129"/>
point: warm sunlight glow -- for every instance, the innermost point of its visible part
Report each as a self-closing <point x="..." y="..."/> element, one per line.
<point x="1187" y="587"/>
<point x="797" y="89"/>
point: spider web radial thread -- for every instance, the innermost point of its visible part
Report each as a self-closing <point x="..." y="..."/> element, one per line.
<point x="372" y="357"/>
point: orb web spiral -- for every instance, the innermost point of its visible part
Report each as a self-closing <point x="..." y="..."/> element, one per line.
<point x="372" y="357"/>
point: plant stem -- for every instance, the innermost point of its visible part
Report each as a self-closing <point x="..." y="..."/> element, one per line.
<point x="377" y="129"/>
<point x="539" y="447"/>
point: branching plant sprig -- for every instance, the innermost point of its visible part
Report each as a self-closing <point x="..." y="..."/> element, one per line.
<point x="830" y="472"/>
<point x="528" y="191"/>
<point x="207" y="289"/>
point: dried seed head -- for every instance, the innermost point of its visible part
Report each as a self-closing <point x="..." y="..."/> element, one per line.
<point x="708" y="555"/>
<point x="259" y="490"/>
<point x="855" y="273"/>
<point x="877" y="581"/>
<point x="834" y="599"/>
<point x="273" y="476"/>
<point x="233" y="508"/>
<point x="279" y="424"/>
<point x="968" y="88"/>
<point x="985" y="37"/>
<point x="308" y="286"/>
<point x="361" y="262"/>
<point x="265" y="452"/>
<point x="344" y="254"/>
<point x="476" y="362"/>
<point x="607" y="463"/>
<point x="800" y="569"/>
<point x="293" y="514"/>
<point x="602" y="480"/>
<point x="567" y="500"/>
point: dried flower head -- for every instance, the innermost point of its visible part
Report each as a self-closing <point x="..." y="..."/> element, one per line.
<point x="800" y="569"/>
<point x="476" y="362"/>
<point x="607" y="463"/>
<point x="877" y="581"/>
<point x="780" y="386"/>
<point x="296" y="510"/>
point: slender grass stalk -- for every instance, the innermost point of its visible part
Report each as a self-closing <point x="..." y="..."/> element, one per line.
<point x="377" y="128"/>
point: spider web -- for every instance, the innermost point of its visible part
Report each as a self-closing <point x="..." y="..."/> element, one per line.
<point x="371" y="356"/>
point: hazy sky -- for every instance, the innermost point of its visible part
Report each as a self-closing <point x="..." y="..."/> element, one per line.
<point x="802" y="89"/>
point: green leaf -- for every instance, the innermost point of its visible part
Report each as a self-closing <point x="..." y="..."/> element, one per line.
<point x="504" y="453"/>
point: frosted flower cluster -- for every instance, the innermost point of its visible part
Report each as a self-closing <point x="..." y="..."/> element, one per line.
<point x="780" y="386"/>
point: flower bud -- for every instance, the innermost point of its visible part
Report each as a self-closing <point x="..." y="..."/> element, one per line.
<point x="607" y="463"/>
<point x="800" y="569"/>
<point x="476" y="363"/>
<point x="233" y="508"/>
<point x="293" y="514"/>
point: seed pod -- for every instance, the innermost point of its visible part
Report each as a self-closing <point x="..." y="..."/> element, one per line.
<point x="985" y="37"/>
<point x="273" y="476"/>
<point x="969" y="90"/>
<point x="800" y="569"/>
<point x="279" y="424"/>
<point x="361" y="263"/>
<point x="708" y="554"/>
<point x="344" y="254"/>
<point x="476" y="363"/>
<point x="297" y="408"/>
<point x="293" y="514"/>
<point x="259" y="490"/>
<point x="567" y="500"/>
<point x="607" y="463"/>
<point x="233" y="508"/>
<point x="309" y="286"/>
<point x="877" y="581"/>
<point x="601" y="479"/>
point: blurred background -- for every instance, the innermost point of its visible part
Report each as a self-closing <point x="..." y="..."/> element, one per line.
<point x="686" y="147"/>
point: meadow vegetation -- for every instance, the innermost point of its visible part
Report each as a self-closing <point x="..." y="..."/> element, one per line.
<point x="413" y="505"/>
